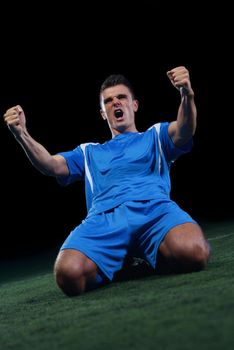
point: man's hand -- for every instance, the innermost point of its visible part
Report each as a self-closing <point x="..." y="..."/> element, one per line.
<point x="179" y="78"/>
<point x="15" y="120"/>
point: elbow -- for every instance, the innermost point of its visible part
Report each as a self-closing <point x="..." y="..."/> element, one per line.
<point x="46" y="172"/>
<point x="50" y="168"/>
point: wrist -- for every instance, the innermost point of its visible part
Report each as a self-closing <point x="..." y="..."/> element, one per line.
<point x="188" y="93"/>
<point x="21" y="135"/>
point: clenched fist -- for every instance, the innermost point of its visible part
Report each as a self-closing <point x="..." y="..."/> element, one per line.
<point x="15" y="120"/>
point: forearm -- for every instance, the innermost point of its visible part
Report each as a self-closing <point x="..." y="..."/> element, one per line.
<point x="40" y="158"/>
<point x="184" y="127"/>
<point x="187" y="116"/>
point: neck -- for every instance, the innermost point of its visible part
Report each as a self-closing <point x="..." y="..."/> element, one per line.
<point x="119" y="131"/>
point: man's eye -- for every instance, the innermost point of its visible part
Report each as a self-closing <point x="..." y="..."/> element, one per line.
<point x="107" y="100"/>
<point x="121" y="96"/>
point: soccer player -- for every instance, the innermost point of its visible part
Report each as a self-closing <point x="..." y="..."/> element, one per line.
<point x="127" y="183"/>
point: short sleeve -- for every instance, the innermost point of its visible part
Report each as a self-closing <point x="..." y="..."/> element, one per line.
<point x="75" y="163"/>
<point x="172" y="152"/>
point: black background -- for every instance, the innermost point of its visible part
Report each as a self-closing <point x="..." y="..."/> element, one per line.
<point x="53" y="60"/>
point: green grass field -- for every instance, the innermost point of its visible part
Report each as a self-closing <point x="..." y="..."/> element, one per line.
<point x="186" y="312"/>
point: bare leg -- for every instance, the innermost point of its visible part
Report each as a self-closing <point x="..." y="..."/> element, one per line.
<point x="184" y="249"/>
<point x="74" y="272"/>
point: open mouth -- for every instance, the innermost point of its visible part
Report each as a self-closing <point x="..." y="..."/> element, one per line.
<point x="118" y="113"/>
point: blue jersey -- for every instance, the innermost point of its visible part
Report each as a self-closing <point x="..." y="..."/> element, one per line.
<point x="130" y="166"/>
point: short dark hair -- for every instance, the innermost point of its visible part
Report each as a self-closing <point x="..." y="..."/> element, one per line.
<point x="117" y="79"/>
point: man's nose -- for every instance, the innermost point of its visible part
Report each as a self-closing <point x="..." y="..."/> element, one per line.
<point x="116" y="101"/>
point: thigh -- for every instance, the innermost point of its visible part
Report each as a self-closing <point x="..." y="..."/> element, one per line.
<point x="183" y="240"/>
<point x="184" y="249"/>
<point x="162" y="217"/>
<point x="102" y="238"/>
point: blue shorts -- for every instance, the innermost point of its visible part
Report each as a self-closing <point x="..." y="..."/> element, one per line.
<point x="134" y="228"/>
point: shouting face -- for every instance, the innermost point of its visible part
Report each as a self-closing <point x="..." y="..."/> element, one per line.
<point x="118" y="107"/>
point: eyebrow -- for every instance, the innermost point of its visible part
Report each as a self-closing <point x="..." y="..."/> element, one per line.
<point x="119" y="96"/>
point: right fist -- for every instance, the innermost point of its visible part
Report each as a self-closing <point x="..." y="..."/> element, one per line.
<point x="15" y="119"/>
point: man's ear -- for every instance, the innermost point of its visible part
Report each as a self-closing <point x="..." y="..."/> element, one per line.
<point x="103" y="114"/>
<point x="135" y="105"/>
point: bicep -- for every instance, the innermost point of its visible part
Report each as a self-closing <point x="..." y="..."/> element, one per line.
<point x="179" y="136"/>
<point x="60" y="166"/>
<point x="172" y="131"/>
<point x="173" y="146"/>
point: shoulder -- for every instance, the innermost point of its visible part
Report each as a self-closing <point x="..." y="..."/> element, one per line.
<point x="159" y="128"/>
<point x="78" y="152"/>
<point x="84" y="146"/>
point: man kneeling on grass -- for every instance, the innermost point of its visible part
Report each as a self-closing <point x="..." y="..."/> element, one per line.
<point x="127" y="183"/>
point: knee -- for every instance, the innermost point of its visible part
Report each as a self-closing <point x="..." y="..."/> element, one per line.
<point x="200" y="255"/>
<point x="185" y="249"/>
<point x="74" y="272"/>
<point x="70" y="279"/>
<point x="193" y="257"/>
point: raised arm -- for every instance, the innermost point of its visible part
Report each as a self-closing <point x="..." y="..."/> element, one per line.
<point x="42" y="160"/>
<point x="184" y="127"/>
